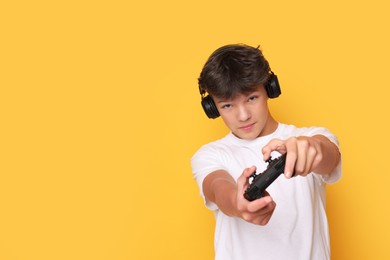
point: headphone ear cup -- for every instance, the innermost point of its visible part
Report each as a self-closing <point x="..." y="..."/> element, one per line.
<point x="209" y="107"/>
<point x="272" y="87"/>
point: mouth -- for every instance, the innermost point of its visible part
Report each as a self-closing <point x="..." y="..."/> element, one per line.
<point x="247" y="127"/>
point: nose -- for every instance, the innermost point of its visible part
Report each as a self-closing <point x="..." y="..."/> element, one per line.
<point x="243" y="114"/>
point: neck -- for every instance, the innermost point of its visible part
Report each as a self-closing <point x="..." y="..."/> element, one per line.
<point x="270" y="126"/>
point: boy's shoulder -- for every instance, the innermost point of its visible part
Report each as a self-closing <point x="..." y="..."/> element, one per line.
<point x="218" y="143"/>
<point x="288" y="130"/>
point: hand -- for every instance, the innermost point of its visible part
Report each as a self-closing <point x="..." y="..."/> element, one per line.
<point x="304" y="154"/>
<point x="258" y="211"/>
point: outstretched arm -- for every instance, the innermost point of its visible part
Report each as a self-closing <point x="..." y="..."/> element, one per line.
<point x="306" y="154"/>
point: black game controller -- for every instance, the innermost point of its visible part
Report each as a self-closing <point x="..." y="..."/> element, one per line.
<point x="261" y="181"/>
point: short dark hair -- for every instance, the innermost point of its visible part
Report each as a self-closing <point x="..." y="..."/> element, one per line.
<point x="234" y="69"/>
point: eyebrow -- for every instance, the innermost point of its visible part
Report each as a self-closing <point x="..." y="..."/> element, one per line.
<point x="231" y="99"/>
<point x="222" y="101"/>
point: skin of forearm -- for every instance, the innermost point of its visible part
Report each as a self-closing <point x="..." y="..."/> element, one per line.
<point x="330" y="155"/>
<point x="221" y="189"/>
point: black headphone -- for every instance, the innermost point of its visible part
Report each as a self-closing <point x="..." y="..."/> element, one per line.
<point x="272" y="87"/>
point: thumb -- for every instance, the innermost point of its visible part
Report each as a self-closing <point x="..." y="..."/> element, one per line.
<point x="242" y="181"/>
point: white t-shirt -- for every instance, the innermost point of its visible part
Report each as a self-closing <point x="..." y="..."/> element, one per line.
<point x="298" y="228"/>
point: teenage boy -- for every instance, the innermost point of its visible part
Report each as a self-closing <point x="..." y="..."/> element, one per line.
<point x="290" y="221"/>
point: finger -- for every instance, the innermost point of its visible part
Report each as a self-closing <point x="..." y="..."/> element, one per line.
<point x="289" y="168"/>
<point x="311" y="158"/>
<point x="263" y="216"/>
<point x="260" y="204"/>
<point x="300" y="164"/>
<point x="242" y="181"/>
<point x="273" y="145"/>
<point x="249" y="171"/>
<point x="268" y="216"/>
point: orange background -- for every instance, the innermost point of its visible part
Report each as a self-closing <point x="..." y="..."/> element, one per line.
<point x="100" y="115"/>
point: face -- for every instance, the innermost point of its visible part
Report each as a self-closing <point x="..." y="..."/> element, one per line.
<point x="247" y="116"/>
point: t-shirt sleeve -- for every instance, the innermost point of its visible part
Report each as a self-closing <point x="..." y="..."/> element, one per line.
<point x="205" y="161"/>
<point x="336" y="174"/>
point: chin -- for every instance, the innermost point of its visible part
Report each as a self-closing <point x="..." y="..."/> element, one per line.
<point x="247" y="136"/>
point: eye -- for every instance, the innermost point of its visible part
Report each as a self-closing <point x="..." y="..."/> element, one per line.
<point x="226" y="106"/>
<point x="252" y="98"/>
